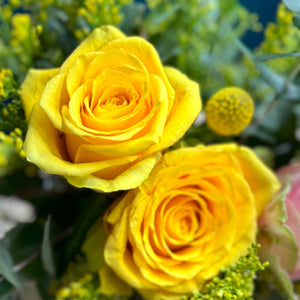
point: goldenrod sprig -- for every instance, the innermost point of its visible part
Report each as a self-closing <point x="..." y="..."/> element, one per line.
<point x="234" y="282"/>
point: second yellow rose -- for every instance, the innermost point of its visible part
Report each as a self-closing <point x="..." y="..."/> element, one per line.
<point x="195" y="214"/>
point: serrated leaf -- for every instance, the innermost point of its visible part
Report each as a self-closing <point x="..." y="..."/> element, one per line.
<point x="47" y="253"/>
<point x="271" y="56"/>
<point x="293" y="5"/>
<point x="6" y="266"/>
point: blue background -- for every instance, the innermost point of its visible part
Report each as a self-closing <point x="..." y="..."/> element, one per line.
<point x="266" y="9"/>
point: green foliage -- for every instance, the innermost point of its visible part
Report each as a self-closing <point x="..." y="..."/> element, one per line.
<point x="47" y="252"/>
<point x="42" y="33"/>
<point x="6" y="266"/>
<point x="293" y="5"/>
<point x="11" y="109"/>
<point x="12" y="124"/>
<point x="199" y="39"/>
<point x="79" y="283"/>
<point x="234" y="282"/>
<point x="281" y="37"/>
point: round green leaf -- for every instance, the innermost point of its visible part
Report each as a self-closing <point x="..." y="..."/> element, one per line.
<point x="293" y="5"/>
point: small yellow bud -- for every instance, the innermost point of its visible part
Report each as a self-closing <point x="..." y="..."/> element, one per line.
<point x="18" y="131"/>
<point x="5" y="112"/>
<point x="63" y="293"/>
<point x="229" y="111"/>
<point x="39" y="29"/>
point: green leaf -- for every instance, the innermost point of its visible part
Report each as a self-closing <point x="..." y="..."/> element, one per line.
<point x="47" y="254"/>
<point x="293" y="5"/>
<point x="296" y="20"/>
<point x="272" y="78"/>
<point x="93" y="246"/>
<point x="277" y="82"/>
<point x="277" y="117"/>
<point x="266" y="57"/>
<point x="5" y="287"/>
<point x="282" y="280"/>
<point x="6" y="266"/>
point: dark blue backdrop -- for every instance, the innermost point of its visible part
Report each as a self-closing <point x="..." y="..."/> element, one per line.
<point x="266" y="9"/>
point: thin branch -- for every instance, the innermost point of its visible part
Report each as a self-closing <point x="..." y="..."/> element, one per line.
<point x="277" y="95"/>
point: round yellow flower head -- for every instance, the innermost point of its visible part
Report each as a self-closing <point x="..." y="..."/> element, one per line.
<point x="229" y="111"/>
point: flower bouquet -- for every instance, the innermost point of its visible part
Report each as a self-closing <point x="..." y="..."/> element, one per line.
<point x="146" y="152"/>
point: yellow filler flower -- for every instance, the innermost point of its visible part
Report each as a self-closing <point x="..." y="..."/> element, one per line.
<point x="103" y="118"/>
<point x="229" y="111"/>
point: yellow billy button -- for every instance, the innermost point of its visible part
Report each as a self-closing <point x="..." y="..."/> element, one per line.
<point x="229" y="111"/>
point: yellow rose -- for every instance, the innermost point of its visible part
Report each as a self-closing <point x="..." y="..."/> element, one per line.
<point x="102" y="118"/>
<point x="196" y="213"/>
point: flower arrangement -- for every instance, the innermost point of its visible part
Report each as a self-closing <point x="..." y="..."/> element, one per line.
<point x="147" y="153"/>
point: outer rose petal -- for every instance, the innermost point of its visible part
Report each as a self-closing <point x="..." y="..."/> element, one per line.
<point x="291" y="172"/>
<point x="33" y="86"/>
<point x="128" y="179"/>
<point x="183" y="110"/>
<point x="53" y="98"/>
<point x="94" y="42"/>
<point x="293" y="222"/>
<point x="52" y="158"/>
<point x="261" y="180"/>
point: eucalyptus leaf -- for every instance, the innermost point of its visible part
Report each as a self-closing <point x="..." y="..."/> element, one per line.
<point x="277" y="117"/>
<point x="6" y="266"/>
<point x="293" y="5"/>
<point x="296" y="20"/>
<point x="267" y="57"/>
<point x="272" y="78"/>
<point x="164" y="15"/>
<point x="47" y="254"/>
<point x="261" y="134"/>
<point x="5" y="287"/>
<point x="288" y="91"/>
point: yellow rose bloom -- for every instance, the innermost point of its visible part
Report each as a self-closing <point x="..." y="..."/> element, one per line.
<point x="102" y="118"/>
<point x="196" y="213"/>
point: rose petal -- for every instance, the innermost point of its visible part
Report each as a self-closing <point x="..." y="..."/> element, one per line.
<point x="94" y="42"/>
<point x="184" y="110"/>
<point x="33" y="86"/>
